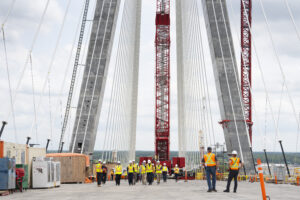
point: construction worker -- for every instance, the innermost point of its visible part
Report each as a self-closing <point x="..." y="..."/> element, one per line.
<point x="118" y="172"/>
<point x="111" y="174"/>
<point x="165" y="172"/>
<point x="143" y="172"/>
<point x="104" y="172"/>
<point x="149" y="170"/>
<point x="99" y="172"/>
<point x="136" y="172"/>
<point x="234" y="165"/>
<point x="130" y="171"/>
<point x="176" y="172"/>
<point x="210" y="163"/>
<point x="158" y="171"/>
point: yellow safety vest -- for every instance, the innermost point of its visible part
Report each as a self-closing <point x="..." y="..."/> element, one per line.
<point x="210" y="159"/>
<point x="176" y="170"/>
<point x="143" y="169"/>
<point x="234" y="163"/>
<point x="165" y="169"/>
<point x="118" y="169"/>
<point x="130" y="168"/>
<point x="99" y="168"/>
<point x="149" y="168"/>
<point x="136" y="168"/>
<point x="158" y="169"/>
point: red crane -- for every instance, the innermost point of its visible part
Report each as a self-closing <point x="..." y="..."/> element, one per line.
<point x="246" y="20"/>
<point x="162" y="80"/>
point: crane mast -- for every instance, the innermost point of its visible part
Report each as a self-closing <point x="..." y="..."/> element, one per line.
<point x="246" y="18"/>
<point x="162" y="80"/>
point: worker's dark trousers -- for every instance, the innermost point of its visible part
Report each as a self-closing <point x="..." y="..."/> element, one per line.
<point x="104" y="175"/>
<point x="130" y="178"/>
<point x="233" y="174"/>
<point x="118" y="179"/>
<point x="165" y="176"/>
<point x="99" y="178"/>
<point x="211" y="171"/>
<point x="112" y="177"/>
<point x="150" y="178"/>
<point x="176" y="177"/>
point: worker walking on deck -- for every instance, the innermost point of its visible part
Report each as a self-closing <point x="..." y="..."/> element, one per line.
<point x="99" y="172"/>
<point x="165" y="172"/>
<point x="143" y="172"/>
<point x="149" y="170"/>
<point x="111" y="174"/>
<point x="210" y="163"/>
<point x="176" y="172"/>
<point x="130" y="171"/>
<point x="234" y="165"/>
<point x="135" y="172"/>
<point x="118" y="172"/>
<point x="104" y="172"/>
<point x="158" y="172"/>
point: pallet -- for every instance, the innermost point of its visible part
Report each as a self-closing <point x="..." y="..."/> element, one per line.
<point x="4" y="193"/>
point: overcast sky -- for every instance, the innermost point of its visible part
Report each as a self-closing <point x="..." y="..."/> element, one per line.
<point x="21" y="27"/>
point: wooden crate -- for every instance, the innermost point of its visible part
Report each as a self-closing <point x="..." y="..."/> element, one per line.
<point x="73" y="168"/>
<point x="13" y="150"/>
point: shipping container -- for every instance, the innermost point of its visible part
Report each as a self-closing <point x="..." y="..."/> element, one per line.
<point x="25" y="177"/>
<point x="7" y="173"/>
<point x="42" y="173"/>
<point x="33" y="153"/>
<point x="12" y="150"/>
<point x="74" y="167"/>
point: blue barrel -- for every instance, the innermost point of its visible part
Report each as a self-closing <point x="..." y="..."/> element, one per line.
<point x="7" y="173"/>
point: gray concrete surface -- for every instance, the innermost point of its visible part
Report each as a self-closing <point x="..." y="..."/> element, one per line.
<point x="170" y="190"/>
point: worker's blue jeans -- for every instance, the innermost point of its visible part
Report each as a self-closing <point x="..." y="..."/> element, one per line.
<point x="211" y="171"/>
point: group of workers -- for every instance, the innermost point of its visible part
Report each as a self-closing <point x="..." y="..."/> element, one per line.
<point x="147" y="171"/>
<point x="210" y="164"/>
<point x="101" y="171"/>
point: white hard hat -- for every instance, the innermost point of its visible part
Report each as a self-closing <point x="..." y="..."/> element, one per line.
<point x="165" y="163"/>
<point x="130" y="161"/>
<point x="176" y="165"/>
<point x="104" y="162"/>
<point x="149" y="161"/>
<point x="100" y="160"/>
<point x="119" y="162"/>
<point x="144" y="161"/>
<point x="158" y="161"/>
<point x="133" y="160"/>
<point x="234" y="153"/>
<point x="152" y="163"/>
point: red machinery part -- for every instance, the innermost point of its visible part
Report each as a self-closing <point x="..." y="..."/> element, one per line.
<point x="180" y="161"/>
<point x="246" y="20"/>
<point x="162" y="81"/>
<point x="20" y="173"/>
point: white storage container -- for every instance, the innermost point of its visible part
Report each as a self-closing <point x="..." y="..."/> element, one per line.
<point x="56" y="174"/>
<point x="42" y="173"/>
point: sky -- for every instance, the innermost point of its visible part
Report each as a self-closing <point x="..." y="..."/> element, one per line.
<point x="22" y="23"/>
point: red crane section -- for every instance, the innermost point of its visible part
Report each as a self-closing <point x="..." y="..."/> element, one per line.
<point x="162" y="80"/>
<point x="246" y="20"/>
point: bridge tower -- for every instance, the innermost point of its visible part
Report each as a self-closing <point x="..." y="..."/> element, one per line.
<point x="162" y="80"/>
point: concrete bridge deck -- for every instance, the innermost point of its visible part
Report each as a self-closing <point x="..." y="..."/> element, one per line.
<point x="169" y="190"/>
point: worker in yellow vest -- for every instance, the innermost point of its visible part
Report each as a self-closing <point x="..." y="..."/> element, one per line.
<point x="176" y="172"/>
<point x="165" y="172"/>
<point x="234" y="165"/>
<point x="149" y="171"/>
<point x="136" y="172"/>
<point x="211" y="164"/>
<point x="118" y="172"/>
<point x="130" y="171"/>
<point x="143" y="172"/>
<point x="158" y="171"/>
<point x="99" y="172"/>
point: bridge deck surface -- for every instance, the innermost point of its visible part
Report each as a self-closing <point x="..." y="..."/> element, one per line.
<point x="169" y="190"/>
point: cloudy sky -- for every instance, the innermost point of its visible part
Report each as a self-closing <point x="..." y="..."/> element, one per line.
<point x="22" y="24"/>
